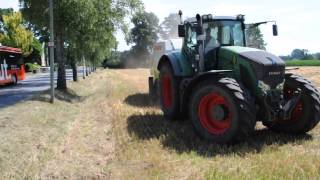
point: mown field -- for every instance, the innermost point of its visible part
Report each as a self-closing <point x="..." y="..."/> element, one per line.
<point x="303" y="63"/>
<point x="110" y="129"/>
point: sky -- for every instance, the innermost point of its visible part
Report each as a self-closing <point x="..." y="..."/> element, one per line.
<point x="297" y="20"/>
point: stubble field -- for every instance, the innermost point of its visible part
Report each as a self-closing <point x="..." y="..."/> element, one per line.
<point x="106" y="127"/>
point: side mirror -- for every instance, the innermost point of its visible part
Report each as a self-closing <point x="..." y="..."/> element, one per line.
<point x="181" y="30"/>
<point x="199" y="29"/>
<point x="275" y="30"/>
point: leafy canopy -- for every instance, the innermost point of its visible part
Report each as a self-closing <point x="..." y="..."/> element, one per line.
<point x="169" y="27"/>
<point x="144" y="33"/>
<point x="255" y="39"/>
<point x="83" y="28"/>
<point x="15" y="34"/>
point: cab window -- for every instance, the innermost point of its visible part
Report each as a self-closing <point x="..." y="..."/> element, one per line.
<point x="226" y="35"/>
<point x="191" y="38"/>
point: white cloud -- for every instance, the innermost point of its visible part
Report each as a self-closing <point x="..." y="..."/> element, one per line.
<point x="9" y="4"/>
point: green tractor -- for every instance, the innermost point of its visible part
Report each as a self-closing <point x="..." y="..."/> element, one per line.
<point x="225" y="87"/>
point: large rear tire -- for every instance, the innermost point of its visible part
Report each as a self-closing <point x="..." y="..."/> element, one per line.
<point x="306" y="114"/>
<point x="169" y="93"/>
<point x="221" y="111"/>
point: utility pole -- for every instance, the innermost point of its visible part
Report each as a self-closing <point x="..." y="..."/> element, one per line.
<point x="51" y="46"/>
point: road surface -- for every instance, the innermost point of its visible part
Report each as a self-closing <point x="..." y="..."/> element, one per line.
<point x="10" y="95"/>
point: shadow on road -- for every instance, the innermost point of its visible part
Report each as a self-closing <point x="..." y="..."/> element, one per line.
<point x="3" y="86"/>
<point x="34" y="87"/>
<point x="180" y="135"/>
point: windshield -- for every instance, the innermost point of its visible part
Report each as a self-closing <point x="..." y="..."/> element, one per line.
<point x="223" y="33"/>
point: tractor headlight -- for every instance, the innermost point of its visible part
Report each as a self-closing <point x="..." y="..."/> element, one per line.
<point x="263" y="86"/>
<point x="280" y="86"/>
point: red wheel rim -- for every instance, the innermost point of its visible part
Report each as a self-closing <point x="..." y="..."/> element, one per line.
<point x="166" y="91"/>
<point x="297" y="111"/>
<point x="206" y="106"/>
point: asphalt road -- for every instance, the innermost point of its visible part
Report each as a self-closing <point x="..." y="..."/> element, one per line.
<point x="33" y="84"/>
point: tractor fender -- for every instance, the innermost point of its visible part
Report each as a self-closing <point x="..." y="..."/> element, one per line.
<point x="192" y="83"/>
<point x="173" y="60"/>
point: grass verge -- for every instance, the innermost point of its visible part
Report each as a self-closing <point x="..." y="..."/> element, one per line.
<point x="70" y="139"/>
<point x="303" y="63"/>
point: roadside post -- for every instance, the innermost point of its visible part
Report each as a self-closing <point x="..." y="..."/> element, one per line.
<point x="51" y="46"/>
<point x="84" y="67"/>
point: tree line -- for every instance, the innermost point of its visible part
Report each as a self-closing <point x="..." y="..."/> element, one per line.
<point x="301" y="54"/>
<point x="84" y="30"/>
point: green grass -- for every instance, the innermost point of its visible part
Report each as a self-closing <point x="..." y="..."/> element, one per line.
<point x="32" y="67"/>
<point x="303" y="63"/>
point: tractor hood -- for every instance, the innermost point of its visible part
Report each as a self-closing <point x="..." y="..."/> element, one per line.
<point x="255" y="55"/>
<point x="267" y="68"/>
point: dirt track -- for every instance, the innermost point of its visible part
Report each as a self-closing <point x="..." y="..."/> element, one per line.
<point x="311" y="73"/>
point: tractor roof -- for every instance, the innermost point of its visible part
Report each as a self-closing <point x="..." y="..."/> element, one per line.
<point x="194" y="20"/>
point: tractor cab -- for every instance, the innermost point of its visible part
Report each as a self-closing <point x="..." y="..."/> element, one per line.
<point x="215" y="31"/>
<point x="205" y="35"/>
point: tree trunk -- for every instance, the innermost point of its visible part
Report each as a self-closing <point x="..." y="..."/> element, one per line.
<point x="61" y="81"/>
<point x="74" y="71"/>
<point x="84" y="68"/>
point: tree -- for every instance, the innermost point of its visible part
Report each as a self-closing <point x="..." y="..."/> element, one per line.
<point x="169" y="27"/>
<point x="317" y="56"/>
<point x="14" y="33"/>
<point x="144" y="34"/>
<point x="286" y="58"/>
<point x="35" y="56"/>
<point x="298" y="54"/>
<point x="307" y="55"/>
<point x="4" y="12"/>
<point x="255" y="39"/>
<point x="32" y="9"/>
<point x="92" y="38"/>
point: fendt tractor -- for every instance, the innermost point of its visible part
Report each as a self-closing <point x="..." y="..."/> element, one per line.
<point x="225" y="87"/>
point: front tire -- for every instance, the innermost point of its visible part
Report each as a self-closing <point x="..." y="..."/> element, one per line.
<point x="306" y="114"/>
<point x="221" y="111"/>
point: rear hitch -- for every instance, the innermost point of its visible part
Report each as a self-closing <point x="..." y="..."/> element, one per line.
<point x="277" y="109"/>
